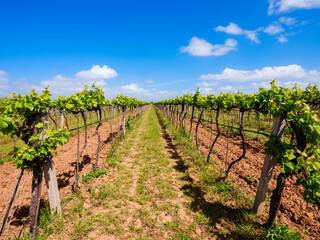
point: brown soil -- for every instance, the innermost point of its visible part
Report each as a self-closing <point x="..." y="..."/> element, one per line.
<point x="65" y="165"/>
<point x="294" y="211"/>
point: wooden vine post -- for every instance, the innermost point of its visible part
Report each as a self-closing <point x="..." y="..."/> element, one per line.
<point x="98" y="135"/>
<point x="181" y="115"/>
<point x="124" y="119"/>
<point x="227" y="150"/>
<point x="211" y="129"/>
<point x="191" y="121"/>
<point x="259" y="125"/>
<point x="76" y="169"/>
<point x="61" y="118"/>
<point x="111" y="124"/>
<point x="52" y="185"/>
<point x="119" y="125"/>
<point x="50" y="177"/>
<point x="199" y="120"/>
<point x="278" y="127"/>
<point x="183" y="119"/>
<point x="135" y="112"/>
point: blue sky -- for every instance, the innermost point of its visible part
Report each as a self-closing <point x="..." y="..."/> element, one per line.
<point x="154" y="50"/>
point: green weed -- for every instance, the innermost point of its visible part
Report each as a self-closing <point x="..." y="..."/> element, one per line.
<point x="224" y="187"/>
<point x="93" y="174"/>
<point x="282" y="232"/>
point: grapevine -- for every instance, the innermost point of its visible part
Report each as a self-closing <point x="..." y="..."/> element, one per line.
<point x="302" y="155"/>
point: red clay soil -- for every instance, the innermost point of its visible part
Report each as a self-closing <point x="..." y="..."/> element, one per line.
<point x="294" y="211"/>
<point x="65" y="165"/>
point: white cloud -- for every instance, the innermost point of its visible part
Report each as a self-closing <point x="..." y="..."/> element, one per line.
<point x="66" y="86"/>
<point x="208" y="84"/>
<point x="227" y="88"/>
<point x="282" y="39"/>
<point x="133" y="90"/>
<point x="229" y="45"/>
<point x="206" y="90"/>
<point x="282" y="6"/>
<point x="273" y="29"/>
<point x="200" y="47"/>
<point x="3" y="80"/>
<point x="3" y="76"/>
<point x="234" y="29"/>
<point x="290" y="72"/>
<point x="287" y="20"/>
<point x="62" y="85"/>
<point x="149" y="81"/>
<point x="97" y="72"/>
<point x="255" y="86"/>
<point x="252" y="35"/>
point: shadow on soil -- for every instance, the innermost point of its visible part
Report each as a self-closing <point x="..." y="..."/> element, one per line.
<point x="250" y="144"/>
<point x="110" y="137"/>
<point x="21" y="217"/>
<point x="216" y="212"/>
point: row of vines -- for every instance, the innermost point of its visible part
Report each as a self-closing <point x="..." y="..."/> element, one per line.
<point x="294" y="112"/>
<point x="27" y="118"/>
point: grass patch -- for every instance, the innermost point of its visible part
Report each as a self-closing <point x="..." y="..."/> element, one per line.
<point x="281" y="231"/>
<point x="95" y="173"/>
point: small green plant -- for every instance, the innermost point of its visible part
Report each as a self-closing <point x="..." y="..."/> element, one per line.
<point x="282" y="232"/>
<point x="93" y="174"/>
<point x="45" y="218"/>
<point x="183" y="236"/>
<point x="251" y="179"/>
<point x="223" y="187"/>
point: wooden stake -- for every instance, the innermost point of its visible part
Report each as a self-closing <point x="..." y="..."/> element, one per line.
<point x="52" y="185"/>
<point x="111" y="125"/>
<point x="211" y="130"/>
<point x="119" y="128"/>
<point x="61" y="118"/>
<point x="259" y="126"/>
<point x="227" y="145"/>
<point x="268" y="166"/>
<point x="123" y="120"/>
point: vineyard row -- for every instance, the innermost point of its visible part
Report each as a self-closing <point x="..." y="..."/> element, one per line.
<point x="295" y="119"/>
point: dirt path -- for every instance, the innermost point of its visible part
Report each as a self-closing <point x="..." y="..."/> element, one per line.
<point x="141" y="198"/>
